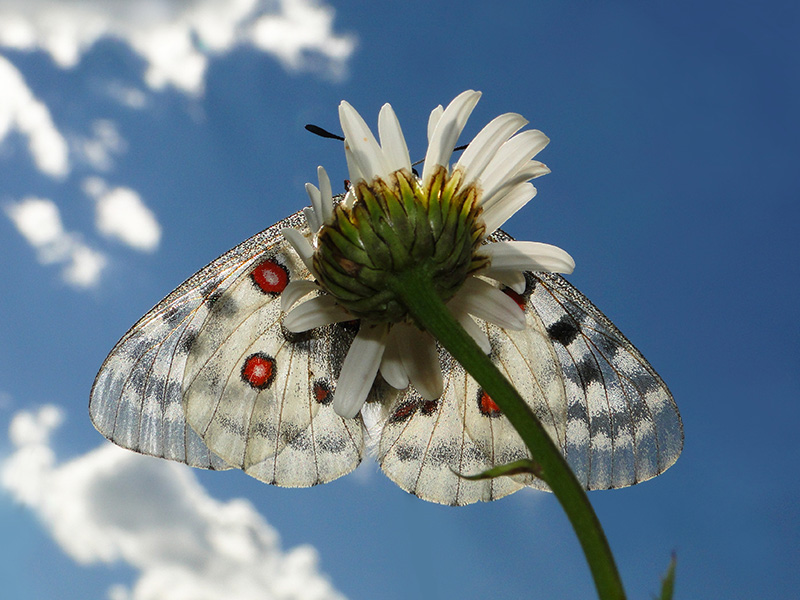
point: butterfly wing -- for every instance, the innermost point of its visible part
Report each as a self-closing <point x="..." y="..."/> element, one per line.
<point x="426" y="445"/>
<point x="261" y="397"/>
<point x="137" y="400"/>
<point x="623" y="426"/>
<point x="597" y="396"/>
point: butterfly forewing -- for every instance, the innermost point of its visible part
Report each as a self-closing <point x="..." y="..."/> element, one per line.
<point x="622" y="424"/>
<point x="136" y="399"/>
<point x="260" y="396"/>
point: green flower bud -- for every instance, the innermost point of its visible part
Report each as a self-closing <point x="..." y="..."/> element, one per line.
<point x="393" y="228"/>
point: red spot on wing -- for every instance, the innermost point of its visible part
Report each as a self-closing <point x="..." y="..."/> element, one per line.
<point x="270" y="277"/>
<point x="429" y="407"/>
<point x="403" y="412"/>
<point x="258" y="371"/>
<point x="515" y="297"/>
<point x="487" y="406"/>
<point x="322" y="392"/>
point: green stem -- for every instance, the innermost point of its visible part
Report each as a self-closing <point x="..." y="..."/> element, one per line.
<point x="417" y="291"/>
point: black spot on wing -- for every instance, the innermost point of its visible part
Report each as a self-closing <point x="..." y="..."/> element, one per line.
<point x="530" y="284"/>
<point x="606" y="345"/>
<point x="589" y="371"/>
<point x="187" y="342"/>
<point x="563" y="331"/>
<point x="173" y="316"/>
<point x="407" y="452"/>
<point x="332" y="443"/>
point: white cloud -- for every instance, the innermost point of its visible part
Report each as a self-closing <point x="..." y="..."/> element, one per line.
<point x="122" y="214"/>
<point x="127" y="95"/>
<point x="99" y="149"/>
<point x="174" y="37"/>
<point x="302" y="28"/>
<point x="22" y="112"/>
<point x="39" y="222"/>
<point x="112" y="505"/>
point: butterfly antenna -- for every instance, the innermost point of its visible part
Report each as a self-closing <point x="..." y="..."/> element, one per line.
<point x="456" y="149"/>
<point x="317" y="130"/>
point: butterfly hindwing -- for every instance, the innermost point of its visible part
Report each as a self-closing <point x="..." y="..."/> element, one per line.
<point x="426" y="445"/>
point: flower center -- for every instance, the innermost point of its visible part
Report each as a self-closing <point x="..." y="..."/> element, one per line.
<point x="396" y="227"/>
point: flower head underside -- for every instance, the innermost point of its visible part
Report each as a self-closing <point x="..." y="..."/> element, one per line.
<point x="392" y="221"/>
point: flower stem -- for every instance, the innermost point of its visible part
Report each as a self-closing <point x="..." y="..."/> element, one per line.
<point x="416" y="289"/>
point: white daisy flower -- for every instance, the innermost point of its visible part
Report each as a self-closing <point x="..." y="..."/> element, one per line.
<point x="391" y="220"/>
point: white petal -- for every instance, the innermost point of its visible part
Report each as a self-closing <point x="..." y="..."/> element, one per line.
<point x="512" y="279"/>
<point x="512" y="156"/>
<point x="445" y="135"/>
<point x="393" y="142"/>
<point x="486" y="302"/>
<point x="483" y="147"/>
<point x="436" y="114"/>
<point x="312" y="214"/>
<point x="366" y="151"/>
<point x="533" y="170"/>
<point x="352" y="166"/>
<point x="530" y="171"/>
<point x="296" y="290"/>
<point x="326" y="195"/>
<point x="311" y="218"/>
<point x="349" y="199"/>
<point x="504" y="208"/>
<point x="528" y="256"/>
<point x="473" y="329"/>
<point x="420" y="360"/>
<point x="313" y="313"/>
<point x="300" y="245"/>
<point x="359" y="370"/>
<point x="392" y="369"/>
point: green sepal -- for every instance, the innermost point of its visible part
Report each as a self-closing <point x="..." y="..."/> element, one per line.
<point x="399" y="217"/>
<point x="345" y="246"/>
<point x="668" y="581"/>
<point x="433" y="203"/>
<point x="369" y="212"/>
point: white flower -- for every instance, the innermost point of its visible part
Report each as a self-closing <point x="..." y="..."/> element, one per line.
<point x="496" y="167"/>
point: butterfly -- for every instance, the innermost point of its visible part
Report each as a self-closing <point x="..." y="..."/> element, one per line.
<point x="210" y="377"/>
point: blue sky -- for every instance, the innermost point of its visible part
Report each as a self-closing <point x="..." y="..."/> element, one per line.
<point x="143" y="143"/>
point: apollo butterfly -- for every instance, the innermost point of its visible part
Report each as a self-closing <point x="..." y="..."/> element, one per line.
<point x="210" y="377"/>
<point x="218" y="376"/>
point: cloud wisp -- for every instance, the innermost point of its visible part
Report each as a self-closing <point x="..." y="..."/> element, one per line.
<point x="122" y="215"/>
<point x="111" y="505"/>
<point x="39" y="222"/>
<point x="22" y="112"/>
<point x="175" y="37"/>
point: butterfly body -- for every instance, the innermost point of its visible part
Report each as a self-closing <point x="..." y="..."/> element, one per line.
<point x="211" y="377"/>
